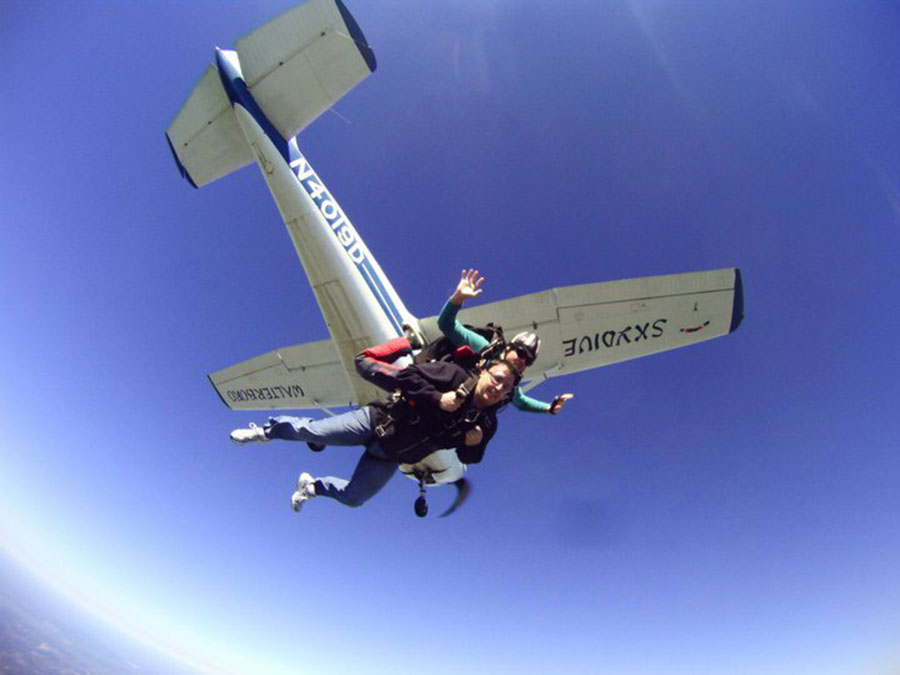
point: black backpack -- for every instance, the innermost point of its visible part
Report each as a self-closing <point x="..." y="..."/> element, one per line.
<point x="444" y="350"/>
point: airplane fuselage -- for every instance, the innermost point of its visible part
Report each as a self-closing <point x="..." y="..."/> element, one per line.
<point x="354" y="295"/>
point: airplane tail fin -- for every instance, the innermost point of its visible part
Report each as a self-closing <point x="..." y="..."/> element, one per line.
<point x="295" y="68"/>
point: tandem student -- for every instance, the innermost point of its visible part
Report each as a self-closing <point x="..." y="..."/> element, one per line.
<point x="439" y="405"/>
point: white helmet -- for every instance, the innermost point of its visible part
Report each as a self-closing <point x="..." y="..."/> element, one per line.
<point x="527" y="345"/>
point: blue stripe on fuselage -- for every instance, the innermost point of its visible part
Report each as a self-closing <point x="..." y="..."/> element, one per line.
<point x="238" y="92"/>
<point x="341" y="228"/>
<point x="343" y="231"/>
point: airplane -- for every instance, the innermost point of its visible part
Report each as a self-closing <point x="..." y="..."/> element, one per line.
<point x="250" y="105"/>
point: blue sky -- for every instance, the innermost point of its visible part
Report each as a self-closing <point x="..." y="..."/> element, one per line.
<point x="730" y="507"/>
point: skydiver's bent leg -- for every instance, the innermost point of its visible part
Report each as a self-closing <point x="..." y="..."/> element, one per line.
<point x="351" y="428"/>
<point x="377" y="364"/>
<point x="371" y="474"/>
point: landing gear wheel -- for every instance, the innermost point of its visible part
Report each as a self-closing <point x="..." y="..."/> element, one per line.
<point x="421" y="503"/>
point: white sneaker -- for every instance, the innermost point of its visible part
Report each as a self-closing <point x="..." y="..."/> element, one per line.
<point x="306" y="489"/>
<point x="251" y="434"/>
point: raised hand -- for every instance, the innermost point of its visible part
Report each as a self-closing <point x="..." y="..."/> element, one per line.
<point x="469" y="287"/>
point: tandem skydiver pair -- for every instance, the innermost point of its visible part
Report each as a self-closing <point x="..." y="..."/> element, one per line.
<point x="446" y="400"/>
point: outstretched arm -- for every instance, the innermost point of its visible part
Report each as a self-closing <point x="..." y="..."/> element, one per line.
<point x="528" y="404"/>
<point x="469" y="287"/>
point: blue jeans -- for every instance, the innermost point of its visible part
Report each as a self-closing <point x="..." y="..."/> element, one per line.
<point x="373" y="470"/>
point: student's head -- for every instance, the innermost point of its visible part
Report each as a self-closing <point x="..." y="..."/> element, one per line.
<point x="522" y="350"/>
<point x="494" y="384"/>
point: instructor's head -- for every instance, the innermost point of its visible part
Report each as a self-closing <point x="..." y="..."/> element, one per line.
<point x="494" y="384"/>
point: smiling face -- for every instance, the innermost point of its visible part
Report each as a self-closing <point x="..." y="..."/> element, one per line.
<point x="494" y="384"/>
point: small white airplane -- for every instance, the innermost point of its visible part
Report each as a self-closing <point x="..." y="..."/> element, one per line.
<point x="250" y="105"/>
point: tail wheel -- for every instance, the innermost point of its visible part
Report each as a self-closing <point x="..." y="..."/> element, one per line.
<point x="421" y="506"/>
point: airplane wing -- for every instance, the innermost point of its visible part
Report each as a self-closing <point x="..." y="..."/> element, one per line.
<point x="304" y="376"/>
<point x="594" y="325"/>
<point x="581" y="327"/>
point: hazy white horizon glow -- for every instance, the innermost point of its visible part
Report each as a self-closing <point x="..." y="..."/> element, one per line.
<point x="728" y="508"/>
<point x="171" y="646"/>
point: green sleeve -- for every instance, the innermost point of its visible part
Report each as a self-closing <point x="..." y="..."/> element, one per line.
<point x="528" y="404"/>
<point x="458" y="334"/>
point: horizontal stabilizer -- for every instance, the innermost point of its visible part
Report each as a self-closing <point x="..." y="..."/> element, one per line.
<point x="299" y="64"/>
<point x="205" y="136"/>
<point x="304" y="376"/>
<point x="296" y="67"/>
